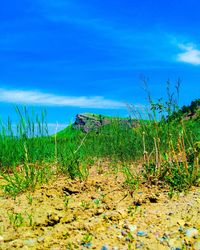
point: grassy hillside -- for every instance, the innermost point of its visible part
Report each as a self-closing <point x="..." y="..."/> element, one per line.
<point x="167" y="149"/>
<point x="68" y="132"/>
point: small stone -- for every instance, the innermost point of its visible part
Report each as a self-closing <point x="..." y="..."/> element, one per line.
<point x="164" y="238"/>
<point x="126" y="226"/>
<point x="139" y="245"/>
<point x="157" y="234"/>
<point x="88" y="245"/>
<point x="141" y="233"/>
<point x="41" y="239"/>
<point x="29" y="242"/>
<point x="196" y="245"/>
<point x="123" y="233"/>
<point x="181" y="229"/>
<point x="132" y="228"/>
<point x="192" y="232"/>
<point x="104" y="248"/>
<point x="1" y="238"/>
<point x="175" y="244"/>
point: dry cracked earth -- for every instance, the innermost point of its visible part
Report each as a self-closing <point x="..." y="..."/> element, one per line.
<point x="100" y="213"/>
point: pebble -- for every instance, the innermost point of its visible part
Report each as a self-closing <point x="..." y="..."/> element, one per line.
<point x="104" y="248"/>
<point x="41" y="238"/>
<point x="181" y="229"/>
<point x="163" y="238"/>
<point x="191" y="232"/>
<point x="1" y="238"/>
<point x="30" y="242"/>
<point x="132" y="228"/>
<point x="157" y="234"/>
<point x="139" y="245"/>
<point x="88" y="245"/>
<point x="141" y="233"/>
<point x="196" y="245"/>
<point x="175" y="244"/>
<point x="123" y="233"/>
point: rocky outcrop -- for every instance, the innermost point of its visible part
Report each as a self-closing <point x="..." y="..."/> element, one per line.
<point x="92" y="122"/>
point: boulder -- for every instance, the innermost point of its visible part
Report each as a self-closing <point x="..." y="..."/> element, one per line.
<point x="92" y="122"/>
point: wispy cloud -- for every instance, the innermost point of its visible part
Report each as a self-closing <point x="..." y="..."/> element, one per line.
<point x="112" y="33"/>
<point x="40" y="98"/>
<point x="190" y="55"/>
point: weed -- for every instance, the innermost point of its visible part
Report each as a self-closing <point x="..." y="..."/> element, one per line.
<point x="84" y="171"/>
<point x="132" y="181"/>
<point x="27" y="178"/>
<point x="85" y="205"/>
<point x="66" y="201"/>
<point x="97" y="202"/>
<point x="30" y="220"/>
<point x="87" y="238"/>
<point x="16" y="219"/>
<point x="30" y="199"/>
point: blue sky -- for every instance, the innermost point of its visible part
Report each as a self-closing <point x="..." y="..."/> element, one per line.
<point x="89" y="56"/>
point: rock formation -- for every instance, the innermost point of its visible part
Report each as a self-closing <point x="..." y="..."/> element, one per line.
<point x="92" y="122"/>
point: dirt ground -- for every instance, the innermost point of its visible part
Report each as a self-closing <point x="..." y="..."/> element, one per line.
<point x="100" y="213"/>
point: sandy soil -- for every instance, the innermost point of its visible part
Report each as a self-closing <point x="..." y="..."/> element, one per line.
<point x="100" y="213"/>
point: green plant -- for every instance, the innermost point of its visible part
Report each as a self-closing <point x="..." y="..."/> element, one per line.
<point x="84" y="171"/>
<point x="164" y="139"/>
<point x="87" y="238"/>
<point x="181" y="179"/>
<point x="28" y="177"/>
<point x="131" y="180"/>
<point x="16" y="219"/>
<point x="30" y="199"/>
<point x="30" y="220"/>
<point x="66" y="200"/>
<point x="97" y="202"/>
<point x="85" y="205"/>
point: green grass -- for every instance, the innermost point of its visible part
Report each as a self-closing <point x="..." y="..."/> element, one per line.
<point x="68" y="133"/>
<point x="168" y="149"/>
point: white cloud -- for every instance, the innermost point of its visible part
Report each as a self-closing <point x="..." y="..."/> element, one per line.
<point x="190" y="55"/>
<point x="39" y="98"/>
